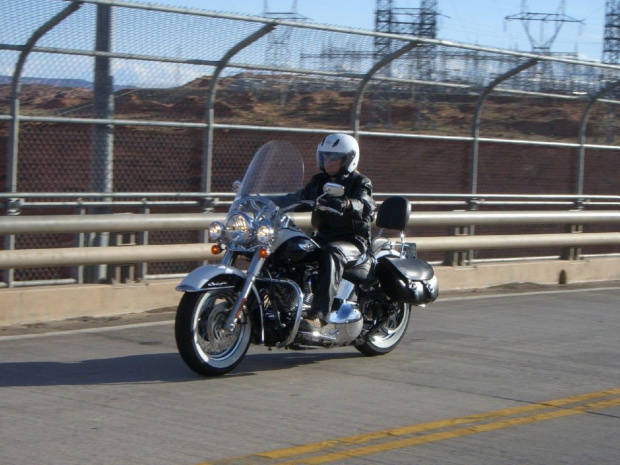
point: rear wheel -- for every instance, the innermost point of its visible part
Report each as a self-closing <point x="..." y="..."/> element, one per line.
<point x="204" y="342"/>
<point x="389" y="335"/>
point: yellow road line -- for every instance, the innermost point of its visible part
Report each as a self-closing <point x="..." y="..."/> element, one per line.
<point x="479" y="423"/>
<point x="416" y="441"/>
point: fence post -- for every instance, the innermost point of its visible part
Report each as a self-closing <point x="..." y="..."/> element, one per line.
<point x="456" y="257"/>
<point x="125" y="273"/>
<point x="208" y="146"/>
<point x="582" y="133"/>
<point x="143" y="239"/>
<point x="572" y="253"/>
<point x="80" y="241"/>
<point x="477" y="113"/>
<point x="102" y="135"/>
<point x="357" y="102"/>
<point x="476" y="131"/>
<point x="102" y="148"/>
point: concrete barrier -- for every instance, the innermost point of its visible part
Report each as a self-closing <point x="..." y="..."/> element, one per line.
<point x="51" y="303"/>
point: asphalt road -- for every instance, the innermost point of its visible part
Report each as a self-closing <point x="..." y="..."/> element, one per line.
<point x="527" y="378"/>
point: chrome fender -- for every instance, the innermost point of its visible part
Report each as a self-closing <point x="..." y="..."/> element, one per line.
<point x="211" y="277"/>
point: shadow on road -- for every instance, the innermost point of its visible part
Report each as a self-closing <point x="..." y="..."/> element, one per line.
<point x="146" y="368"/>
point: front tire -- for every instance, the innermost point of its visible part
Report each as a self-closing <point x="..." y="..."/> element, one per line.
<point x="204" y="344"/>
<point x="389" y="335"/>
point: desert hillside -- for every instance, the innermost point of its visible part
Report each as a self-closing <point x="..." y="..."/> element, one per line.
<point x="267" y="101"/>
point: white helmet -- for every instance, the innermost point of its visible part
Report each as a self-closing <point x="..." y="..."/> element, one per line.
<point x="342" y="146"/>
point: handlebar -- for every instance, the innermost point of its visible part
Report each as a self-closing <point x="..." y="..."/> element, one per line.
<point x="313" y="204"/>
<point x="329" y="209"/>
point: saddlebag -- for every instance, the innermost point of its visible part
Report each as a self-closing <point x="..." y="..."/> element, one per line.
<point x="408" y="280"/>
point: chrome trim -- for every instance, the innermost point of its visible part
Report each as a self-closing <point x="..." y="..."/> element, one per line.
<point x="300" y="304"/>
<point x="347" y="313"/>
<point x="250" y="277"/>
<point x="195" y="280"/>
<point x="248" y="232"/>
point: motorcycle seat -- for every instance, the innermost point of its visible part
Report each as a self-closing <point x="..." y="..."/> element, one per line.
<point x="378" y="243"/>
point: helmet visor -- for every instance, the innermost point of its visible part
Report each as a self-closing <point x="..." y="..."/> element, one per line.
<point x="332" y="156"/>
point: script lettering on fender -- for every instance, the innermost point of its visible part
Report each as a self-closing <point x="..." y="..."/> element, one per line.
<point x="217" y="283"/>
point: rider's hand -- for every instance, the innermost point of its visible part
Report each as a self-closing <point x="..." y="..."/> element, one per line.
<point x="339" y="204"/>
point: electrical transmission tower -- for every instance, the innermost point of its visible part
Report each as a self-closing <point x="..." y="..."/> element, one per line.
<point x="278" y="53"/>
<point x="542" y="44"/>
<point x="419" y="22"/>
<point x="384" y="15"/>
<point x="611" y="44"/>
<point x="611" y="55"/>
<point x="380" y="106"/>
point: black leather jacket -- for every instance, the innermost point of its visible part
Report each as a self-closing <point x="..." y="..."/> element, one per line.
<point x="354" y="224"/>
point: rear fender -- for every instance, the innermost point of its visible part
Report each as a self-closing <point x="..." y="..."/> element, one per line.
<point x="209" y="277"/>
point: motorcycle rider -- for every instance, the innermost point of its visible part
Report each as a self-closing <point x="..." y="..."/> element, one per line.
<point x="343" y="238"/>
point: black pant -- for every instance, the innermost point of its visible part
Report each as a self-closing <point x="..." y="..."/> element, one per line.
<point x="334" y="258"/>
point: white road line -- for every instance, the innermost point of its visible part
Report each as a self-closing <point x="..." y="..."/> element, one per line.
<point x="520" y="294"/>
<point x="85" y="330"/>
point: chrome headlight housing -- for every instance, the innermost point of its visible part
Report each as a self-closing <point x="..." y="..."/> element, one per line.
<point x="264" y="234"/>
<point x="239" y="228"/>
<point x="216" y="231"/>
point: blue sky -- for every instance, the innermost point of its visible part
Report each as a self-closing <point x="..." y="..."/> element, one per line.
<point x="478" y="22"/>
<point x="471" y="21"/>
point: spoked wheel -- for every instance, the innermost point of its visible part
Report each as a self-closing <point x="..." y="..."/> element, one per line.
<point x="204" y="342"/>
<point x="389" y="335"/>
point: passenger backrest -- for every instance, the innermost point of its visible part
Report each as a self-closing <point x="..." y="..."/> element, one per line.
<point x="394" y="213"/>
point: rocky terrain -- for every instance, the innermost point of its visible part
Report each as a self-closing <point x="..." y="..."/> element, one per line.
<point x="256" y="99"/>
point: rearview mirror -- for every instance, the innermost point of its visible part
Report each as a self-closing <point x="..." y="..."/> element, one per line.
<point x="333" y="189"/>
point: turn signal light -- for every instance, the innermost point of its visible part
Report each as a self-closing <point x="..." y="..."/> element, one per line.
<point x="263" y="253"/>
<point x="216" y="249"/>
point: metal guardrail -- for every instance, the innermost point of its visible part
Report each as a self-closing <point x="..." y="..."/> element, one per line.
<point x="15" y="202"/>
<point x="68" y="224"/>
<point x="192" y="252"/>
<point x="134" y="220"/>
<point x="195" y="252"/>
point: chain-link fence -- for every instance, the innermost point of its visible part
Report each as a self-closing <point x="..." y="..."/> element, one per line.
<point x="109" y="97"/>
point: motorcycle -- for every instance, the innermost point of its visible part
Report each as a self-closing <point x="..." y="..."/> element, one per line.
<point x="264" y="284"/>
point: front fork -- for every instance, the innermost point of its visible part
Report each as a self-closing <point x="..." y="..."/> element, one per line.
<point x="253" y="270"/>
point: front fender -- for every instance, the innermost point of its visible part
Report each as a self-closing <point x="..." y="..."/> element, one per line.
<point x="211" y="277"/>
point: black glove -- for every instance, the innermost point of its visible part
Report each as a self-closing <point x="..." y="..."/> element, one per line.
<point x="337" y="203"/>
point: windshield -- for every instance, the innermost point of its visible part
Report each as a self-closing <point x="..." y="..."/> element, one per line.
<point x="277" y="168"/>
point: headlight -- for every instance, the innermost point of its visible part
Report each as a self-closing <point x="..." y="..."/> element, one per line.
<point x="264" y="234"/>
<point x="238" y="228"/>
<point x="216" y="231"/>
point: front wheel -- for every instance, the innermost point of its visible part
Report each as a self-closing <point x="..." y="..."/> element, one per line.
<point x="389" y="335"/>
<point x="205" y="345"/>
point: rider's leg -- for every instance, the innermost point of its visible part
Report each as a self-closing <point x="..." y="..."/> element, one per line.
<point x="334" y="258"/>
